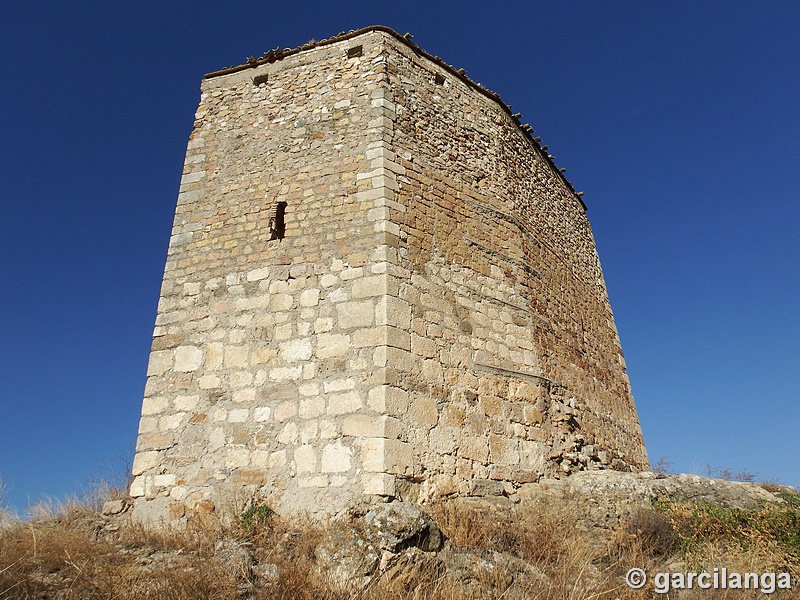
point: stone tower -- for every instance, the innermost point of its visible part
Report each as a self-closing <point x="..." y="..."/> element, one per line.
<point x="378" y="284"/>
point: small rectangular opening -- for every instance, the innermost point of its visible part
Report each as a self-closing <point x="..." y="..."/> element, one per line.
<point x="277" y="221"/>
<point x="439" y="79"/>
<point x="355" y="51"/>
<point x="259" y="79"/>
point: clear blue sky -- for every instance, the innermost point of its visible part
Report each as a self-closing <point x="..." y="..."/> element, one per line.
<point x="679" y="120"/>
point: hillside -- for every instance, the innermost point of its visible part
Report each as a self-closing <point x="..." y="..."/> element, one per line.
<point x="574" y="538"/>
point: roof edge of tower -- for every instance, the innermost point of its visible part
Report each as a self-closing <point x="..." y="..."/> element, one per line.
<point x="281" y="53"/>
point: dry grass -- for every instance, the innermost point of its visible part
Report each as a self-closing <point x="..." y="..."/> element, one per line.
<point x="69" y="556"/>
<point x="538" y="551"/>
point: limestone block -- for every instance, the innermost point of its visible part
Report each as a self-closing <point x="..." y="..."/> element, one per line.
<point x="187" y="197"/>
<point x="386" y="227"/>
<point x="137" y="487"/>
<point x="305" y="458"/>
<point x="453" y="415"/>
<point x="397" y="358"/>
<point x="277" y="459"/>
<point x="532" y="455"/>
<point x="160" y="362"/>
<point x="209" y="382"/>
<point x="282" y="332"/>
<point x="186" y="403"/>
<point x="262" y="413"/>
<point x="188" y="358"/>
<point x="154" y="406"/>
<point x="343" y="403"/>
<point x="339" y="385"/>
<point x="474" y="448"/>
<point x="393" y="311"/>
<point x="144" y="461"/>
<point x="236" y="458"/>
<point x="259" y="459"/>
<point x="423" y="346"/>
<point x="386" y="456"/>
<point x="285" y="410"/>
<point x="238" y="415"/>
<point x="328" y="280"/>
<point x="295" y="350"/>
<point x="491" y="405"/>
<point x="148" y="424"/>
<point x="371" y="194"/>
<point x="378" y="214"/>
<point x="532" y="415"/>
<point x="216" y="439"/>
<point x="178" y="493"/>
<point x="374" y="285"/>
<point x="235" y="356"/>
<point x="388" y="400"/>
<point x="239" y="379"/>
<point x="338" y="295"/>
<point x="286" y="373"/>
<point x="355" y="314"/>
<point x="279" y="285"/>
<point x="154" y="442"/>
<point x="423" y="411"/>
<point x="244" y="395"/>
<point x="171" y="421"/>
<point x="258" y="274"/>
<point x="503" y="451"/>
<point x="289" y="434"/>
<point x="237" y="336"/>
<point x="351" y="273"/>
<point x="381" y="484"/>
<point x="280" y="302"/>
<point x="264" y="355"/>
<point x="332" y="344"/>
<point x="311" y="408"/>
<point x="432" y="371"/>
<point x="384" y="253"/>
<point x="323" y="325"/>
<point x="327" y="429"/>
<point x="361" y="425"/>
<point x="310" y="388"/>
<point x="444" y="439"/>
<point x="165" y="480"/>
<point x="381" y="335"/>
<point x="336" y="458"/>
<point x="309" y="297"/>
<point x="309" y="431"/>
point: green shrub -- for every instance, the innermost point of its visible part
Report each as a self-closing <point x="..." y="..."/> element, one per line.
<point x="256" y="517"/>
<point x="773" y="529"/>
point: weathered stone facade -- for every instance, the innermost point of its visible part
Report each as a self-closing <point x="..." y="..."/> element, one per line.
<point x="378" y="284"/>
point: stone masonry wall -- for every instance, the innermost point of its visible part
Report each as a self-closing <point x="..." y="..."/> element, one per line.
<point x="262" y="377"/>
<point x="516" y="369"/>
<point x="430" y="318"/>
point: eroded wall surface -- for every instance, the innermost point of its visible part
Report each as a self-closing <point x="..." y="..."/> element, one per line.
<point x="377" y="287"/>
<point x="517" y="370"/>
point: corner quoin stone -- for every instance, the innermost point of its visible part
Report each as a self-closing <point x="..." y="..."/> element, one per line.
<point x="378" y="285"/>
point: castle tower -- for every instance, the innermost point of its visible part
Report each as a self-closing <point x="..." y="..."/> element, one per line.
<point x="377" y="284"/>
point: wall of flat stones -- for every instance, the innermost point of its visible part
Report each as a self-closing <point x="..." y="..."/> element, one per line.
<point x="515" y="368"/>
<point x="264" y="376"/>
<point x="434" y="320"/>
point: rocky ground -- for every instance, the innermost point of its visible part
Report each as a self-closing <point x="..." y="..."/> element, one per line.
<point x="571" y="538"/>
